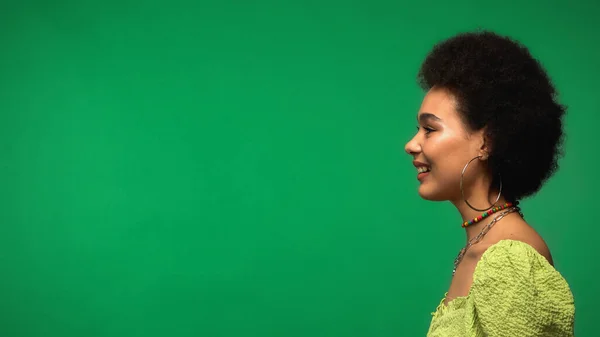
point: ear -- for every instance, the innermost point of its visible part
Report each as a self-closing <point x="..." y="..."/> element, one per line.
<point x="484" y="148"/>
<point x="481" y="144"/>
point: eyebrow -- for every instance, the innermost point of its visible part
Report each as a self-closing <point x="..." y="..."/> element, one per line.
<point x="428" y="116"/>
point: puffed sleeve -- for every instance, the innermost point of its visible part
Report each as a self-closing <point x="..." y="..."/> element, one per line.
<point x="516" y="292"/>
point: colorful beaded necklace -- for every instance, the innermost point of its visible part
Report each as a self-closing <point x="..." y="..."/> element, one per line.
<point x="488" y="213"/>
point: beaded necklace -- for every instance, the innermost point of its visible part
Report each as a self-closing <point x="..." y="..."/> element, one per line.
<point x="488" y="213"/>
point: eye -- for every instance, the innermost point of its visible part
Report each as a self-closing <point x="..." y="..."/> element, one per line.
<point x="427" y="129"/>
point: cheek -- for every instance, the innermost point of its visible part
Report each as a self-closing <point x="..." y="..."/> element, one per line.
<point x="447" y="157"/>
<point x="439" y="150"/>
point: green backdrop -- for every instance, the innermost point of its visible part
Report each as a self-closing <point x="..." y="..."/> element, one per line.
<point x="236" y="168"/>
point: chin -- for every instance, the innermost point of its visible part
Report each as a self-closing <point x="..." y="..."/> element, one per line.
<point x="430" y="195"/>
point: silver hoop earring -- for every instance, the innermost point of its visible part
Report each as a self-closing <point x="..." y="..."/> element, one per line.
<point x="463" y="192"/>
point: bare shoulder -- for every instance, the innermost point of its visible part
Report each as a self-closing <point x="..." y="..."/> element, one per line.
<point x="538" y="243"/>
<point x="511" y="229"/>
<point x="521" y="231"/>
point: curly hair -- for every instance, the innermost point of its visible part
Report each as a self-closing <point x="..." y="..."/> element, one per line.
<point x="499" y="86"/>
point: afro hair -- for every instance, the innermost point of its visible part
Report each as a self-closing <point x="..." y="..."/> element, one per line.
<point x="501" y="88"/>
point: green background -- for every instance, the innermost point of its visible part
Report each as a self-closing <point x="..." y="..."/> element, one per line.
<point x="236" y="168"/>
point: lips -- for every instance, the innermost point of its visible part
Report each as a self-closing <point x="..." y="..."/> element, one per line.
<point x="419" y="164"/>
<point x="422" y="169"/>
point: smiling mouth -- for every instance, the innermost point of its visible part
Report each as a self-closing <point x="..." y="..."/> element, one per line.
<point x="423" y="169"/>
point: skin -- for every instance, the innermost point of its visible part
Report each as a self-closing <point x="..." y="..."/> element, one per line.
<point x="446" y="144"/>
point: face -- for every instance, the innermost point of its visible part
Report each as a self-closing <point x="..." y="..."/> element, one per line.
<point x="443" y="146"/>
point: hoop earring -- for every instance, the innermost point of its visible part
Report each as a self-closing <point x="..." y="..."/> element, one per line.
<point x="463" y="192"/>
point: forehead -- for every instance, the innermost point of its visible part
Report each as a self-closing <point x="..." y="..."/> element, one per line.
<point x="440" y="103"/>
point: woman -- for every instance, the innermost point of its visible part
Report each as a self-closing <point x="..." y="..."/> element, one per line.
<point x="489" y="134"/>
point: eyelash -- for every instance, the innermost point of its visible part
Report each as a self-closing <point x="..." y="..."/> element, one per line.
<point x="427" y="130"/>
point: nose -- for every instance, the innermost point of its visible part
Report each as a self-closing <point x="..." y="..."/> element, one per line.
<point x="412" y="147"/>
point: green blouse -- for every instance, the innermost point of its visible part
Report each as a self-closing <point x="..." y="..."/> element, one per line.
<point x="515" y="292"/>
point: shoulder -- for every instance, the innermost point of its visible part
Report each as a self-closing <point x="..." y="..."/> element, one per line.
<point x="509" y="258"/>
<point x="518" y="235"/>
<point x="513" y="282"/>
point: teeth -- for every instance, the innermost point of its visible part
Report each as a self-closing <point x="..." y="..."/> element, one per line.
<point x="422" y="169"/>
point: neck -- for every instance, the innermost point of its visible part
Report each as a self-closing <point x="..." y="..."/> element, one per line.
<point x="480" y="201"/>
